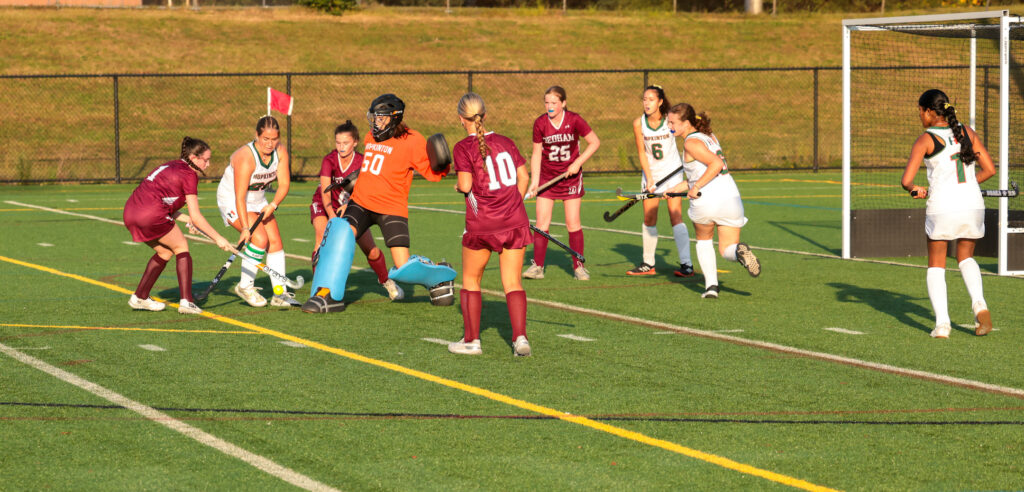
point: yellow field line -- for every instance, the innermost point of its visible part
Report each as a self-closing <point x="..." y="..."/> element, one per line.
<point x="568" y="417"/>
<point x="114" y="328"/>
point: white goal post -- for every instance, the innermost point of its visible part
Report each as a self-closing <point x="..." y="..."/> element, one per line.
<point x="920" y="53"/>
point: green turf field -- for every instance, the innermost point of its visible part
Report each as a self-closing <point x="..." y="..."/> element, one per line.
<point x="818" y="374"/>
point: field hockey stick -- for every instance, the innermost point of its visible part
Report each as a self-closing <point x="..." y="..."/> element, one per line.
<point x="281" y="279"/>
<point x="649" y="195"/>
<point x="1012" y="192"/>
<point x="548" y="184"/>
<point x="227" y="264"/>
<point x="608" y="217"/>
<point x="561" y="244"/>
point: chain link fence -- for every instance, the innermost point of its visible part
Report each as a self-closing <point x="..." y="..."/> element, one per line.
<point x="117" y="127"/>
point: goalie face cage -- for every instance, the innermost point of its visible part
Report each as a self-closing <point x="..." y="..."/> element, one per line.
<point x="975" y="59"/>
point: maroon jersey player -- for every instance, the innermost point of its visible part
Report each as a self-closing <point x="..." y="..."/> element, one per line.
<point x="343" y="162"/>
<point x="556" y="150"/>
<point x="149" y="215"/>
<point x="492" y="173"/>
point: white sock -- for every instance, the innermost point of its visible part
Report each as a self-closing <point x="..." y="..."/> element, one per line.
<point x="650" y="234"/>
<point x="682" y="242"/>
<point x="251" y="255"/>
<point x="730" y="253"/>
<point x="971" y="273"/>
<point x="708" y="262"/>
<point x="275" y="261"/>
<point x="937" y="294"/>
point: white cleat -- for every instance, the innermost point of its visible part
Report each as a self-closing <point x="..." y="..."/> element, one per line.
<point x="521" y="347"/>
<point x="535" y="271"/>
<point x="941" y="331"/>
<point x="982" y="319"/>
<point x="188" y="307"/>
<point x="465" y="348"/>
<point x="395" y="293"/>
<point x="285" y="299"/>
<point x="710" y="293"/>
<point x="147" y="304"/>
<point x="581" y="273"/>
<point x="250" y="295"/>
<point x="748" y="259"/>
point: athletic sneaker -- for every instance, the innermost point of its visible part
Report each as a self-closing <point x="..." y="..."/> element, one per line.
<point x="521" y="347"/>
<point x="147" y="304"/>
<point x="465" y="348"/>
<point x="285" y="299"/>
<point x="581" y="273"/>
<point x="982" y="319"/>
<point x="941" y="331"/>
<point x="323" y="304"/>
<point x="685" y="270"/>
<point x="711" y="292"/>
<point x="250" y="295"/>
<point x="188" y="307"/>
<point x="642" y="269"/>
<point x="395" y="292"/>
<point x="535" y="271"/>
<point x="747" y="258"/>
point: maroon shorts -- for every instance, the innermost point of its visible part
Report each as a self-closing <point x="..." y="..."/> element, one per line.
<point x="566" y="189"/>
<point x="145" y="226"/>
<point x="517" y="238"/>
<point x="316" y="208"/>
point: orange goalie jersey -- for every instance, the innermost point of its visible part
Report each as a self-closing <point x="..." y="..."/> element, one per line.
<point x="386" y="176"/>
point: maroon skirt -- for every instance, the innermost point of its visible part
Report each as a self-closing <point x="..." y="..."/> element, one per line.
<point x="517" y="238"/>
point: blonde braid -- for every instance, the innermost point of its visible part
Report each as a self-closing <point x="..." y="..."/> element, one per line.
<point x="478" y="126"/>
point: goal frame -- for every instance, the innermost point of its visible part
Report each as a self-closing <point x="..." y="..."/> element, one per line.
<point x="1005" y="19"/>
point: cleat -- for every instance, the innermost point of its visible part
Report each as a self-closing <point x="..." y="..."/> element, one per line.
<point x="395" y="293"/>
<point x="710" y="293"/>
<point x="535" y="271"/>
<point x="147" y="304"/>
<point x="685" y="270"/>
<point x="521" y="347"/>
<point x="581" y="273"/>
<point x="285" y="299"/>
<point x="747" y="258"/>
<point x="645" y="269"/>
<point x="982" y="319"/>
<point x="250" y="295"/>
<point x="465" y="348"/>
<point x="323" y="304"/>
<point x="188" y="307"/>
<point x="941" y="331"/>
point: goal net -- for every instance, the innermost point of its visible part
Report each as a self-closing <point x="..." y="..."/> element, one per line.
<point x="887" y="63"/>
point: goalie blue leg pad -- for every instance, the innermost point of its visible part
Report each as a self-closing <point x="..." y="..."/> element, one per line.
<point x="420" y="270"/>
<point x="336" y="253"/>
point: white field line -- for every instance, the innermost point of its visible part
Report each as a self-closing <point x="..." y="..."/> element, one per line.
<point x="578" y="338"/>
<point x="761" y="248"/>
<point x="292" y="344"/>
<point x="259" y="462"/>
<point x="928" y="376"/>
<point x="436" y="340"/>
<point x="874" y="366"/>
<point x="44" y="245"/>
<point x="844" y="331"/>
<point x="152" y="348"/>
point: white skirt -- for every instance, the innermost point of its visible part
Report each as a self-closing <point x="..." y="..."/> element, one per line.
<point x="255" y="201"/>
<point x="725" y="211"/>
<point x="962" y="224"/>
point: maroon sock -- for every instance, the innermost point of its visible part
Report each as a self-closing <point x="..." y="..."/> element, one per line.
<point x="471" y="304"/>
<point x="516" y="301"/>
<point x="153" y="269"/>
<point x="540" y="248"/>
<point x="380" y="267"/>
<point x="184" y="266"/>
<point x="576" y="243"/>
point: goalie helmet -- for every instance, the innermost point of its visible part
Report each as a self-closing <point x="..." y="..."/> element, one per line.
<point x="385" y="105"/>
<point x="443" y="294"/>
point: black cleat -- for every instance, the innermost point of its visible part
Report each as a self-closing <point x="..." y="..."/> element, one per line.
<point x="747" y="258"/>
<point x="685" y="270"/>
<point x="323" y="304"/>
<point x="711" y="293"/>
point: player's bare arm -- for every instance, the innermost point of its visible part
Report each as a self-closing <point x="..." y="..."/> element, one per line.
<point x="638" y="134"/>
<point x="922" y="146"/>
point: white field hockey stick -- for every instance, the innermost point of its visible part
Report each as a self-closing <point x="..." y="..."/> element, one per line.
<point x="649" y="195"/>
<point x="548" y="184"/>
<point x="1012" y="192"/>
<point x="281" y="279"/>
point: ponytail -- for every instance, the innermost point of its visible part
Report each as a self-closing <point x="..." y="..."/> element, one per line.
<point x="937" y="101"/>
<point x="192" y="146"/>
<point x="701" y="122"/>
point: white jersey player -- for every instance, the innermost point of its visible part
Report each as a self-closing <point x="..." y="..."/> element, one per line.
<point x="241" y="198"/>
<point x="714" y="199"/>
<point x="955" y="209"/>
<point x="662" y="172"/>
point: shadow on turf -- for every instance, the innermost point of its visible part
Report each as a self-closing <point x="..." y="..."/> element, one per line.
<point x="788" y="228"/>
<point x="897" y="305"/>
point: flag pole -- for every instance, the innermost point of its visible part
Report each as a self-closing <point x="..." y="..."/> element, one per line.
<point x="268" y="101"/>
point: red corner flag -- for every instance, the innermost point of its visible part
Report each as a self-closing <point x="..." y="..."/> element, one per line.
<point x="280" y="101"/>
